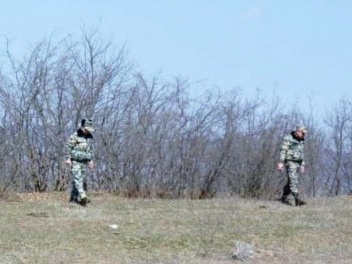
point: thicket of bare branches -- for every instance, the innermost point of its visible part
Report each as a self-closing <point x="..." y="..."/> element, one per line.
<point x="153" y="138"/>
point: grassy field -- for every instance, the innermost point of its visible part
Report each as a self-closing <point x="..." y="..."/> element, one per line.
<point x="44" y="228"/>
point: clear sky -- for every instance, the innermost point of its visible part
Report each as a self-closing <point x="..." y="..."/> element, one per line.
<point x="298" y="49"/>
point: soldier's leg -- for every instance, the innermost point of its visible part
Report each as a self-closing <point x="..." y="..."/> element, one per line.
<point x="286" y="191"/>
<point x="74" y="193"/>
<point x="85" y="200"/>
<point x="293" y="173"/>
<point x="85" y="185"/>
<point x="77" y="175"/>
<point x="292" y="184"/>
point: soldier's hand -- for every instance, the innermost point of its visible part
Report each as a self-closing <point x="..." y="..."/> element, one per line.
<point x="280" y="166"/>
<point x="302" y="169"/>
<point x="68" y="162"/>
<point x="91" y="164"/>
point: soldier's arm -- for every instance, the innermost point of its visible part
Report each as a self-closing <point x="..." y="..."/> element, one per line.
<point x="91" y="154"/>
<point x="303" y="162"/>
<point x="70" y="144"/>
<point x="285" y="145"/>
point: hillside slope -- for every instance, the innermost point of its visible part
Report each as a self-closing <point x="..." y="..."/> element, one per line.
<point x="44" y="228"/>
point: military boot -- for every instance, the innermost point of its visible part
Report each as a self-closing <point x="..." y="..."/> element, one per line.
<point x="298" y="201"/>
<point x="83" y="201"/>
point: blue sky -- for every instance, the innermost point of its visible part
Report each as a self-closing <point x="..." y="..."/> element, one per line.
<point x="299" y="49"/>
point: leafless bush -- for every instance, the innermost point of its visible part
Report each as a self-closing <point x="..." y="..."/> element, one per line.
<point x="153" y="138"/>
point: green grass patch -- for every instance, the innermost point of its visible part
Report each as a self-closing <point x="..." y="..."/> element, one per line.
<point x="51" y="230"/>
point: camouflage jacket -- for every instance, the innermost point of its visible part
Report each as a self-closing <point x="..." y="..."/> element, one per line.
<point x="79" y="147"/>
<point x="292" y="149"/>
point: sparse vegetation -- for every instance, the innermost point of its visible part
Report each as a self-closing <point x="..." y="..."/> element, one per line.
<point x="154" y="138"/>
<point x="44" y="228"/>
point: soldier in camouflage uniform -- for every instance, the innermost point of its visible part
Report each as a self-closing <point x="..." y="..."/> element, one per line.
<point x="292" y="158"/>
<point x="79" y="155"/>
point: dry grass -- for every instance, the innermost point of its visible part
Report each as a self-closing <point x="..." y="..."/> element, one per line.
<point x="44" y="228"/>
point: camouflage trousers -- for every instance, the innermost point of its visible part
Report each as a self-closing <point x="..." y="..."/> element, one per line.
<point x="79" y="180"/>
<point x="292" y="169"/>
